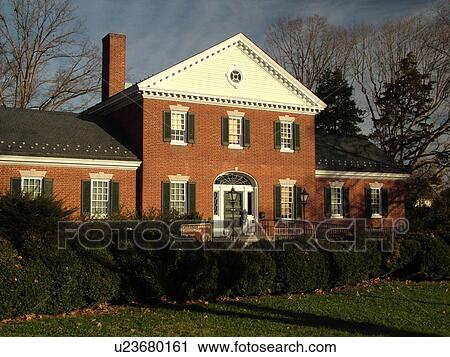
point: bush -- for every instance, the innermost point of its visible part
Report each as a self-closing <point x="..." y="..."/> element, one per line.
<point x="300" y="271"/>
<point x="21" y="214"/>
<point x="10" y="271"/>
<point x="256" y="276"/>
<point x="195" y="276"/>
<point x="420" y="255"/>
<point x="435" y="258"/>
<point x="99" y="278"/>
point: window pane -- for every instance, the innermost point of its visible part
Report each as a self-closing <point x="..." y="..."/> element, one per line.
<point x="234" y="130"/>
<point x="99" y="197"/>
<point x="375" y="195"/>
<point x="336" y="201"/>
<point x="178" y="126"/>
<point x="32" y="186"/>
<point x="286" y="202"/>
<point x="178" y="197"/>
<point x="286" y="135"/>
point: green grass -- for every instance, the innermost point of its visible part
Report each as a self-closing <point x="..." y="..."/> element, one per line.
<point x="394" y="309"/>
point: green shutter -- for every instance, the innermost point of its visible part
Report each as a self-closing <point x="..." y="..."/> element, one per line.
<point x="346" y="201"/>
<point x="246" y="132"/>
<point x="191" y="128"/>
<point x="296" y="136"/>
<point x="16" y="185"/>
<point x="225" y="140"/>
<point x="165" y="197"/>
<point x="47" y="188"/>
<point x="277" y="134"/>
<point x="85" y="197"/>
<point x="327" y="201"/>
<point x="277" y="201"/>
<point x="368" y="200"/>
<point x="191" y="198"/>
<point x="114" y="197"/>
<point x="384" y="202"/>
<point x="166" y="126"/>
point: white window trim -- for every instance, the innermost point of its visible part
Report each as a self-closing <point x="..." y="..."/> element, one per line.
<point x="241" y="120"/>
<point x="339" y="185"/>
<point x="291" y="186"/>
<point x="286" y="119"/>
<point x="23" y="178"/>
<point x="100" y="215"/>
<point x="182" y="180"/>
<point x="178" y="111"/>
<point x="380" y="203"/>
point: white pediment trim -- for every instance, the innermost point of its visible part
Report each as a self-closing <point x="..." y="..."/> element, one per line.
<point x="100" y="176"/>
<point x="32" y="173"/>
<point x="178" y="177"/>
<point x="287" y="182"/>
<point x="235" y="113"/>
<point x="153" y="86"/>
<point x="179" y="108"/>
<point x="226" y="101"/>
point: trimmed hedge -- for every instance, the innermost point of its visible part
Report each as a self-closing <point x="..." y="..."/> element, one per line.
<point x="37" y="277"/>
<point x="299" y="271"/>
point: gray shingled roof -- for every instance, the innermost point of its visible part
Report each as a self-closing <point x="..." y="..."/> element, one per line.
<point x="352" y="153"/>
<point x="56" y="134"/>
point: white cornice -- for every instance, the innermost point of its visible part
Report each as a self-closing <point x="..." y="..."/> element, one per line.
<point x="226" y="101"/>
<point x="68" y="162"/>
<point x="361" y="175"/>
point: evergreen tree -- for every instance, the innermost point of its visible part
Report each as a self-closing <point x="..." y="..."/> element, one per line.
<point x="404" y="128"/>
<point x="341" y="116"/>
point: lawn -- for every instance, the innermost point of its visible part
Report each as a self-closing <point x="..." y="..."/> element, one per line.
<point x="387" y="309"/>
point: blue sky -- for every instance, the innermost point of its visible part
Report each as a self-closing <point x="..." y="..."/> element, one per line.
<point x="161" y="33"/>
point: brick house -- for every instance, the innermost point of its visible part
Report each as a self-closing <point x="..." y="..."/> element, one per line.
<point x="227" y="118"/>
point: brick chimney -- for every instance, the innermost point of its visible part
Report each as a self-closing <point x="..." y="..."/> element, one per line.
<point x="113" y="64"/>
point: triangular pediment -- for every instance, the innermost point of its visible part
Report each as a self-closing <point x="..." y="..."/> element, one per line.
<point x="235" y="70"/>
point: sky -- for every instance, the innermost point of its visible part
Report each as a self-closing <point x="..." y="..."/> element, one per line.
<point x="161" y="33"/>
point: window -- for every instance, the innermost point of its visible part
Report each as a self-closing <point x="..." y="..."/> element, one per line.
<point x="375" y="199"/>
<point x="32" y="186"/>
<point x="287" y="202"/>
<point x="99" y="197"/>
<point x="336" y="202"/>
<point x="216" y="203"/>
<point x="178" y="127"/>
<point x="286" y="136"/>
<point x="178" y="196"/>
<point x="235" y="131"/>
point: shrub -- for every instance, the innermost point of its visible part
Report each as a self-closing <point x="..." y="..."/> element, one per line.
<point x="435" y="258"/>
<point x="403" y="261"/>
<point x="257" y="274"/>
<point x="10" y="271"/>
<point x="100" y="280"/>
<point x="141" y="272"/>
<point x="21" y="214"/>
<point x="195" y="276"/>
<point x="299" y="271"/>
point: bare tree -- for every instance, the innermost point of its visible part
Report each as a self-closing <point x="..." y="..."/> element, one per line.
<point x="375" y="61"/>
<point x="45" y="62"/>
<point x="378" y="50"/>
<point x="306" y="47"/>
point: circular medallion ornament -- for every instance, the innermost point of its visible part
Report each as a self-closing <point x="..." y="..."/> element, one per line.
<point x="235" y="76"/>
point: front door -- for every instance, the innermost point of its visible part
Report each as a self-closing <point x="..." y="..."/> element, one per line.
<point x="233" y="212"/>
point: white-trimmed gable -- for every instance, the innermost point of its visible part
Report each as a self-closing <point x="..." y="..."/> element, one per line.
<point x="205" y="77"/>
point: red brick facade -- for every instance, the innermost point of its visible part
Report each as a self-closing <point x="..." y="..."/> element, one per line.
<point x="67" y="183"/>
